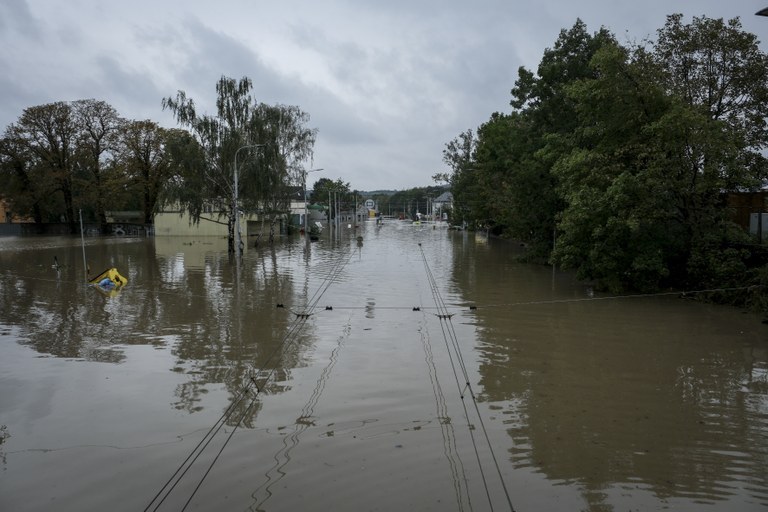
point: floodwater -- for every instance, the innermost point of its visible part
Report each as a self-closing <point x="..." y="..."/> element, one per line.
<point x="417" y="369"/>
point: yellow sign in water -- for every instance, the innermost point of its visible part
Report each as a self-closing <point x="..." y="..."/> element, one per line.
<point x="109" y="279"/>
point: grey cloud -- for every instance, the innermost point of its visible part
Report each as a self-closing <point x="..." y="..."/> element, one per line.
<point x="397" y="80"/>
<point x="135" y="95"/>
<point x="16" y="17"/>
<point x="213" y="54"/>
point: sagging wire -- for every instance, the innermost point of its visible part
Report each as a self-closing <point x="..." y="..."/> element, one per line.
<point x="443" y="310"/>
<point x="472" y="307"/>
<point x="449" y="332"/>
<point x="197" y="451"/>
<point x="454" y="356"/>
<point x="680" y="293"/>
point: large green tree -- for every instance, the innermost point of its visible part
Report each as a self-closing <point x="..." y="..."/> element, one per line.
<point x="618" y="226"/>
<point x="546" y="114"/>
<point x="98" y="128"/>
<point x="660" y="135"/>
<point x="60" y="158"/>
<point x="504" y="179"/>
<point x="615" y="160"/>
<point x="49" y="135"/>
<point x="23" y="184"/>
<point x="717" y="130"/>
<point x="145" y="158"/>
<point x="334" y="193"/>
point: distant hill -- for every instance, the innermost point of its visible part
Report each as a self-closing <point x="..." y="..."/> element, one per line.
<point x="372" y="193"/>
<point x="378" y="193"/>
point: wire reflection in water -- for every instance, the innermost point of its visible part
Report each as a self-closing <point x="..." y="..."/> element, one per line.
<point x="450" y="450"/>
<point x="264" y="492"/>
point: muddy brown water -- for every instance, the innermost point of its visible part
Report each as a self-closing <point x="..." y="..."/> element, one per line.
<point x="581" y="402"/>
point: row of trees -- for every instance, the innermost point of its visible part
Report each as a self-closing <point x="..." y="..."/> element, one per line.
<point x="408" y="203"/>
<point x="614" y="159"/>
<point x="63" y="157"/>
<point x="337" y="194"/>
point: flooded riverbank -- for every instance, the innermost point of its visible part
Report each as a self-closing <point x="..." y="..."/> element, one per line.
<point x="355" y="384"/>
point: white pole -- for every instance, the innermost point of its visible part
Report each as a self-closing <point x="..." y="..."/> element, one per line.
<point x="306" y="222"/>
<point x="236" y="211"/>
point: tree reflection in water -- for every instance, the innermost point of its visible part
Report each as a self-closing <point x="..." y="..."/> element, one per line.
<point x="595" y="394"/>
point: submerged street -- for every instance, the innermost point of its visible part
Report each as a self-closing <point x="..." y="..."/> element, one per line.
<point x="414" y="369"/>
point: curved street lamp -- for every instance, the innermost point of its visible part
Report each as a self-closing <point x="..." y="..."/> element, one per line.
<point x="235" y="187"/>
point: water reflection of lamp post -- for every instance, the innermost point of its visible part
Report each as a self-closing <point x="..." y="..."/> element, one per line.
<point x="306" y="212"/>
<point x="236" y="173"/>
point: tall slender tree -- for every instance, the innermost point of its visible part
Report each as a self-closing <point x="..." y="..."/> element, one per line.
<point x="244" y="138"/>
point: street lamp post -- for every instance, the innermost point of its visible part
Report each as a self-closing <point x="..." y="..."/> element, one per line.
<point x="306" y="211"/>
<point x="235" y="187"/>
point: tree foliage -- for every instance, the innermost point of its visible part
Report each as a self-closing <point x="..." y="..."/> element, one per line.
<point x="48" y="134"/>
<point x="98" y="129"/>
<point x="325" y="187"/>
<point x="615" y="159"/>
<point x="336" y="195"/>
<point x="410" y="202"/>
<point x="264" y="145"/>
<point x="143" y="154"/>
<point x="459" y="156"/>
<point x="65" y="157"/>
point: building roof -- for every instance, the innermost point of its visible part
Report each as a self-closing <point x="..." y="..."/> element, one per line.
<point x="445" y="197"/>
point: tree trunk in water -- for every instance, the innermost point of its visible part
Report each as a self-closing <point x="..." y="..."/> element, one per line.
<point x="37" y="213"/>
<point x="69" y="207"/>
<point x="231" y="230"/>
<point x="147" y="207"/>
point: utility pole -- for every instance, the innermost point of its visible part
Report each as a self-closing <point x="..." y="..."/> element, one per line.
<point x="306" y="210"/>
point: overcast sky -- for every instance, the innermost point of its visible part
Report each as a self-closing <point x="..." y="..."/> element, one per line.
<point x="386" y="82"/>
